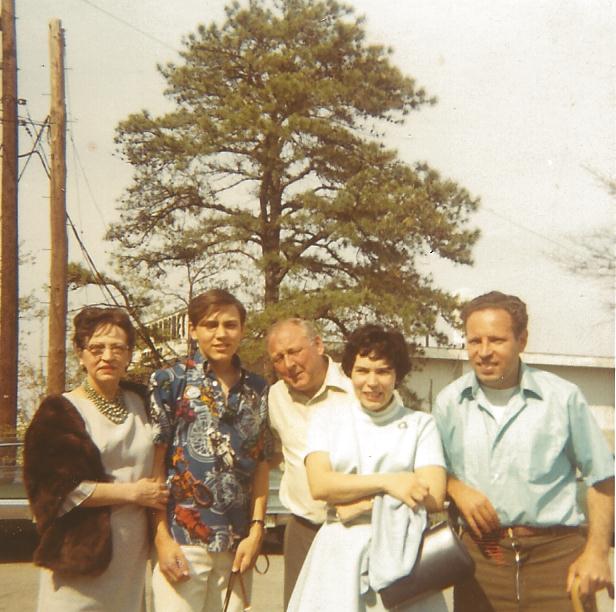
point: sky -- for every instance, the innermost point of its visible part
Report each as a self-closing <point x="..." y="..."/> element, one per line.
<point x="525" y="120"/>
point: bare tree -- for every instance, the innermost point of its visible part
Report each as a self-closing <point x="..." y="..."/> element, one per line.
<point x="594" y="255"/>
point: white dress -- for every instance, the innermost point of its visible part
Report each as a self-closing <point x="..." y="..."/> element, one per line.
<point x="127" y="454"/>
<point x="396" y="439"/>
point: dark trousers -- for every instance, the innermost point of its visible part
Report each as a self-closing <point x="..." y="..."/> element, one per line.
<point x="537" y="583"/>
<point x="298" y="536"/>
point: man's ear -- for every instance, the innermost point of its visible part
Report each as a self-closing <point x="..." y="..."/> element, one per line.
<point x="319" y="344"/>
<point x="523" y="339"/>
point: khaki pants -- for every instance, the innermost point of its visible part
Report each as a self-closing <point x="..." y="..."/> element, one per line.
<point x="538" y="583"/>
<point x="205" y="590"/>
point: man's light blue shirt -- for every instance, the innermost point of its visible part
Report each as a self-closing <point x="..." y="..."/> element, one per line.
<point x="524" y="460"/>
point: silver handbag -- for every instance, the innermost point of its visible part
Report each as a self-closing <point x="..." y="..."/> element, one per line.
<point x="442" y="561"/>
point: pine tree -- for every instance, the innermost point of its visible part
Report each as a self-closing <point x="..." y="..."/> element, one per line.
<point x="272" y="170"/>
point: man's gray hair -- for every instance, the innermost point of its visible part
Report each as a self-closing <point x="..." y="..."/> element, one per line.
<point x="306" y="326"/>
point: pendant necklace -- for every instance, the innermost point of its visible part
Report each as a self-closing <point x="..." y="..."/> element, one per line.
<point x="115" y="410"/>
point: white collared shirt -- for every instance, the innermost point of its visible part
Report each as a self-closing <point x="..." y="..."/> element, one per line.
<point x="289" y="414"/>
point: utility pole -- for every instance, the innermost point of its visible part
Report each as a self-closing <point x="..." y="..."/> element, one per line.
<point x="59" y="242"/>
<point x="9" y="254"/>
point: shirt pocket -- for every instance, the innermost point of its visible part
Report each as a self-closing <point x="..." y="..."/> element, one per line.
<point x="542" y="458"/>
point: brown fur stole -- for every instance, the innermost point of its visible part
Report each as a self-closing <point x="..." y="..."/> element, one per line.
<point x="58" y="455"/>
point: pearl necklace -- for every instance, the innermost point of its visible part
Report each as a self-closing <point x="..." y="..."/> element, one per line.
<point x="115" y="410"/>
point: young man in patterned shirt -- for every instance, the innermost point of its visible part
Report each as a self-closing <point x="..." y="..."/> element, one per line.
<point x="210" y="417"/>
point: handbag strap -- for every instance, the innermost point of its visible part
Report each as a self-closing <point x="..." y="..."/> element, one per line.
<point x="245" y="601"/>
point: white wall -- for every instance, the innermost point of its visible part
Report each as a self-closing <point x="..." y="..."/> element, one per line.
<point x="594" y="377"/>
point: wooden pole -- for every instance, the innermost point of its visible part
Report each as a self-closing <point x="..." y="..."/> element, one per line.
<point x="9" y="254"/>
<point x="59" y="242"/>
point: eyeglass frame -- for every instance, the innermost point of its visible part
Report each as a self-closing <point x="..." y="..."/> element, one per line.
<point x="98" y="349"/>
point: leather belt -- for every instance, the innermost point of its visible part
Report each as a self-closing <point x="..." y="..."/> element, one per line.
<point x="491" y="546"/>
<point x="526" y="531"/>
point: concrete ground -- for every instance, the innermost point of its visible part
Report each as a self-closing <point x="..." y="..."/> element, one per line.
<point x="19" y="580"/>
<point x="18" y="589"/>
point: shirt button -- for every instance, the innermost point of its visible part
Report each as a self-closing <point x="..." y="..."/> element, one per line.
<point x="495" y="477"/>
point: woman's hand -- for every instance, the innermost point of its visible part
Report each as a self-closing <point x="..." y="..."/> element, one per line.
<point x="248" y="549"/>
<point x="150" y="493"/>
<point x="407" y="487"/>
<point x="171" y="560"/>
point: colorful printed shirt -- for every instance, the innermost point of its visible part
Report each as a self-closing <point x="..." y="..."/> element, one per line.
<point x="214" y="447"/>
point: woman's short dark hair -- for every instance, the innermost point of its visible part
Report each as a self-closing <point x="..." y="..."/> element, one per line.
<point x="204" y="303"/>
<point x="375" y="340"/>
<point x="495" y="300"/>
<point x="89" y="318"/>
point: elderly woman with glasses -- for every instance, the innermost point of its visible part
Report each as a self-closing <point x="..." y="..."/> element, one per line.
<point x="88" y="461"/>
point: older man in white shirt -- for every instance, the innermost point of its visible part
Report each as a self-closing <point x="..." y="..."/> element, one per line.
<point x="309" y="379"/>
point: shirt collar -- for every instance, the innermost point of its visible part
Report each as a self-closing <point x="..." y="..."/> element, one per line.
<point x="528" y="384"/>
<point x="198" y="360"/>
<point x="385" y="415"/>
<point x="335" y="377"/>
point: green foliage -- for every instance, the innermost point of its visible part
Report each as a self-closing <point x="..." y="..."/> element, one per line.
<point x="270" y="176"/>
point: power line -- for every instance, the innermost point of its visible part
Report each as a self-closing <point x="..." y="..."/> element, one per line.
<point x="562" y="245"/>
<point x="102" y="283"/>
<point x="40" y="150"/>
<point x="31" y="121"/>
<point x="35" y="150"/>
<point x="130" y="25"/>
<point x="70" y="134"/>
<point x="78" y="162"/>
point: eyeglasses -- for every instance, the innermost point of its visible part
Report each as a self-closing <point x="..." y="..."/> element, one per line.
<point x="98" y="350"/>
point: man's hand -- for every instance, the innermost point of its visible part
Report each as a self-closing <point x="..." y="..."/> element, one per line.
<point x="248" y="549"/>
<point x="593" y="570"/>
<point x="407" y="487"/>
<point x="171" y="560"/>
<point x="592" y="566"/>
<point x="475" y="507"/>
<point x="352" y="510"/>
